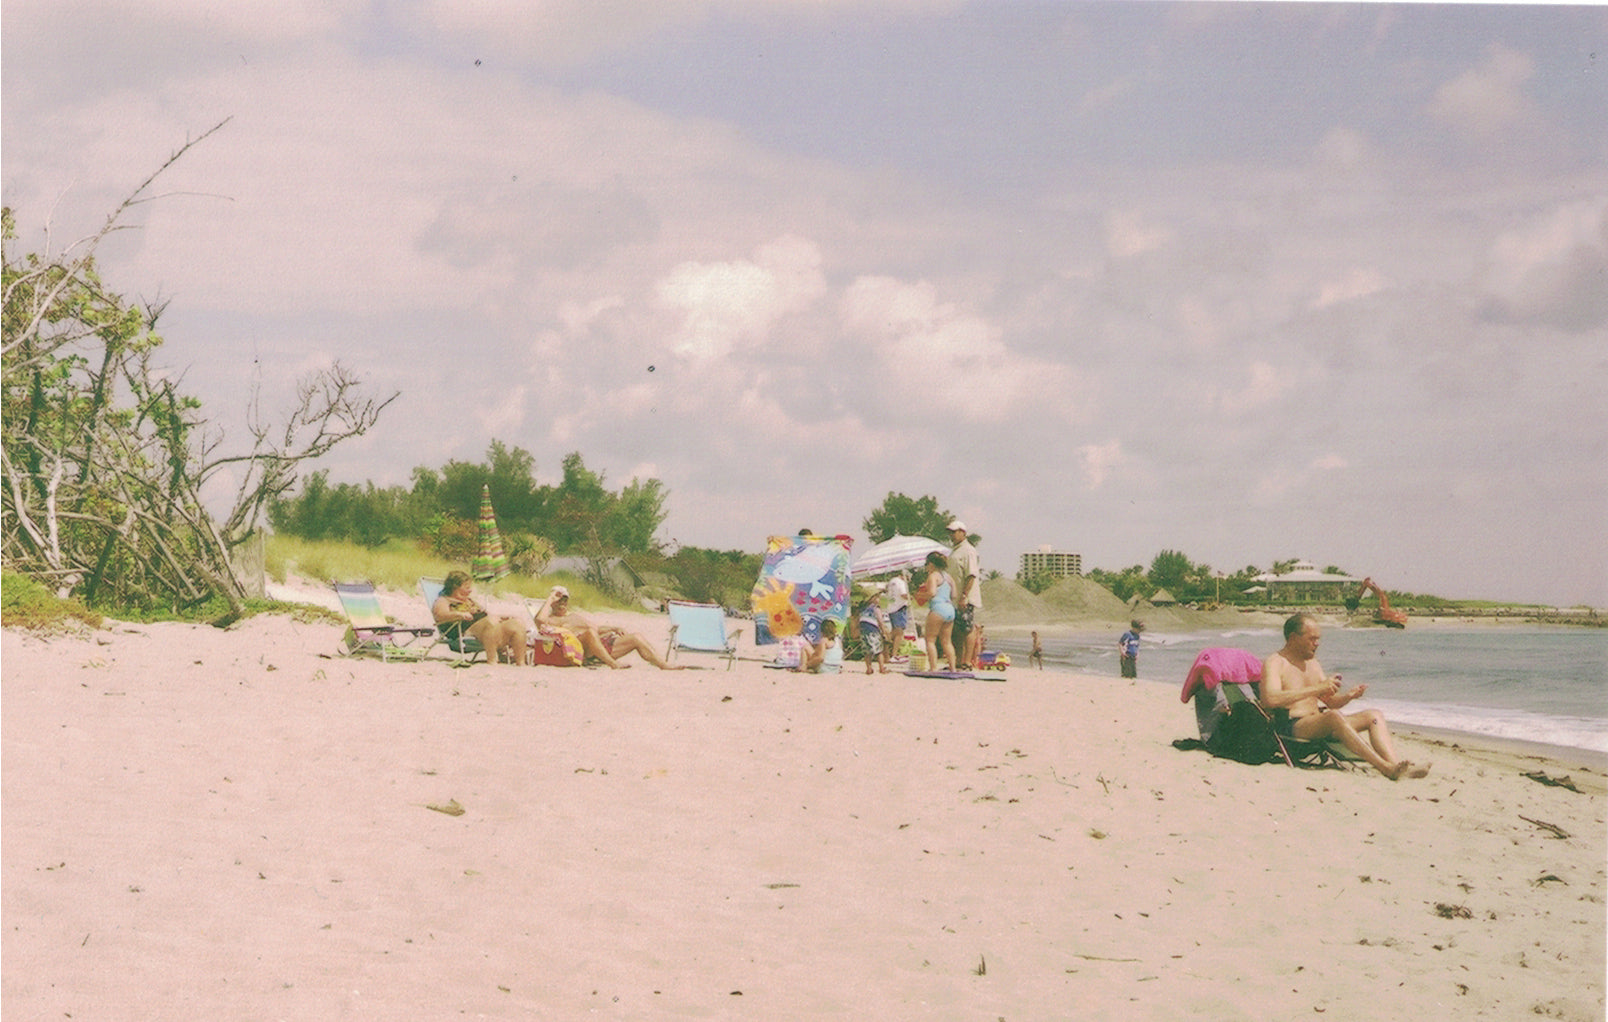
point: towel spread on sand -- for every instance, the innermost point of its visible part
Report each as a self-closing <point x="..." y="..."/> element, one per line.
<point x="1219" y="664"/>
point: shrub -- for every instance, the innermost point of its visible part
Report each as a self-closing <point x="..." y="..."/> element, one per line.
<point x="26" y="603"/>
<point x="527" y="554"/>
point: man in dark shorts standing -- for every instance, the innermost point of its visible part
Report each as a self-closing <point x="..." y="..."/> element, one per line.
<point x="967" y="572"/>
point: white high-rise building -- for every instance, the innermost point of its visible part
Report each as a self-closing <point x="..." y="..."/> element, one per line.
<point x="1057" y="563"/>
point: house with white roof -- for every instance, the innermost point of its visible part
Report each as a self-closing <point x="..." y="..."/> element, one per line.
<point x="1305" y="582"/>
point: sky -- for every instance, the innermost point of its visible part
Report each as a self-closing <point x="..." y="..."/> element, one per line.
<point x="1252" y="282"/>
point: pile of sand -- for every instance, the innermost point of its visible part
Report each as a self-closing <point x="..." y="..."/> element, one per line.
<point x="1075" y="600"/>
<point x="1080" y="598"/>
<point x="1009" y="604"/>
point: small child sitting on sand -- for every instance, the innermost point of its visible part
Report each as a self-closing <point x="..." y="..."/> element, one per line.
<point x="824" y="655"/>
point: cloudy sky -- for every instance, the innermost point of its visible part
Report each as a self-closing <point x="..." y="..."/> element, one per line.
<point x="1247" y="281"/>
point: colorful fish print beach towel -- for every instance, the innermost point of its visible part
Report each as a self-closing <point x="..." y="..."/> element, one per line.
<point x="803" y="582"/>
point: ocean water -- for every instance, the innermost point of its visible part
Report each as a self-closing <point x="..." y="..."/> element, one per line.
<point x="1525" y="683"/>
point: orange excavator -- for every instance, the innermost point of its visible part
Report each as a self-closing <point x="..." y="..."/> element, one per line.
<point x="1384" y="615"/>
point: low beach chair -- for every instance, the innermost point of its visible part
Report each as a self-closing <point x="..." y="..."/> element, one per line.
<point x="1222" y="679"/>
<point x="370" y="633"/>
<point x="701" y="628"/>
<point x="465" y="648"/>
<point x="1293" y="751"/>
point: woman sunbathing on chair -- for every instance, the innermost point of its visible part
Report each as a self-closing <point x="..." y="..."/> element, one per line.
<point x="457" y="613"/>
<point x="605" y="642"/>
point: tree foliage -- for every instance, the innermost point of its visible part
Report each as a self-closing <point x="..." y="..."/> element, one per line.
<point x="1171" y="570"/>
<point x="579" y="515"/>
<point x="1038" y="581"/>
<point x="104" y="458"/>
<point x="725" y="577"/>
<point x="900" y="515"/>
<point x="1186" y="580"/>
<point x="1125" y="583"/>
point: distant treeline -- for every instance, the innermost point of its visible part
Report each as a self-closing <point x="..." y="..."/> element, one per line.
<point x="442" y="506"/>
<point x="1185" y="580"/>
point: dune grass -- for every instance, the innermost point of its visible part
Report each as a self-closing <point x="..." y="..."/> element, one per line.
<point x="26" y="603"/>
<point x="399" y="564"/>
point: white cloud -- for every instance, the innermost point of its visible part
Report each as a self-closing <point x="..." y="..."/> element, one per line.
<point x="500" y="411"/>
<point x="1486" y="100"/>
<point x="1098" y="460"/>
<point x="1129" y="233"/>
<point x="1345" y="149"/>
<point x="1358" y="282"/>
<point x="1266" y="386"/>
<point x="724" y="306"/>
<point x="1554" y="269"/>
<point x="964" y="367"/>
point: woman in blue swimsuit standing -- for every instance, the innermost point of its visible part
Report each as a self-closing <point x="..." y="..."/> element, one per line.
<point x="937" y="592"/>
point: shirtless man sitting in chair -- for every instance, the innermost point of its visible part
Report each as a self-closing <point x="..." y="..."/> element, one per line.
<point x="605" y="642"/>
<point x="1292" y="680"/>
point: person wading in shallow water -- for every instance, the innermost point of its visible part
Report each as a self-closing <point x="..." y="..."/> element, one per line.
<point x="1293" y="681"/>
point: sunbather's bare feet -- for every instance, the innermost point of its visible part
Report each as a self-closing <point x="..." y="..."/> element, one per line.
<point x="1407" y="768"/>
<point x="620" y="667"/>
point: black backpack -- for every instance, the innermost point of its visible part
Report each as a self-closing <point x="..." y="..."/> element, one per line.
<point x="1246" y="734"/>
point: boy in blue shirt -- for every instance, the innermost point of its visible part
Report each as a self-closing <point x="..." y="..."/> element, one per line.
<point x="1128" y="648"/>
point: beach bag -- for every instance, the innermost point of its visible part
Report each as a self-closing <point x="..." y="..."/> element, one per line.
<point x="1245" y="734"/>
<point x="790" y="653"/>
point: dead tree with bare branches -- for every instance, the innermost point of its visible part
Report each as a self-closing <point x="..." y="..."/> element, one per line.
<point x="104" y="459"/>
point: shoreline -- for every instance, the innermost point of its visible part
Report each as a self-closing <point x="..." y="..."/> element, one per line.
<point x="1513" y="751"/>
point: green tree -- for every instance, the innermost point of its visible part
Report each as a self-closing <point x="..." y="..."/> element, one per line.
<point x="1170" y="570"/>
<point x="578" y="513"/>
<point x="1124" y="584"/>
<point x="635" y="515"/>
<point x="1037" y="582"/>
<point x="577" y="506"/>
<point x="725" y="577"/>
<point x="900" y="515"/>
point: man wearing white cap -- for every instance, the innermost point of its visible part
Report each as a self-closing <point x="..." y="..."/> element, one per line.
<point x="967" y="571"/>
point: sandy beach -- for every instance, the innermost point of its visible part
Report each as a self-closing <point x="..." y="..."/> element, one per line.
<point x="237" y="825"/>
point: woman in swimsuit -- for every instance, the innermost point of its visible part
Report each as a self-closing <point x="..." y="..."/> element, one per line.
<point x="457" y="613"/>
<point x="937" y="592"/>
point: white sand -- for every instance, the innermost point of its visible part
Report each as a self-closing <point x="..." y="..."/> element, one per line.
<point x="202" y="824"/>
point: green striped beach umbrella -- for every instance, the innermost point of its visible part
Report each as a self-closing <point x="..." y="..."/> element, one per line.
<point x="490" y="562"/>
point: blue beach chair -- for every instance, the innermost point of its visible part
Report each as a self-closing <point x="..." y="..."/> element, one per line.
<point x="701" y="628"/>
